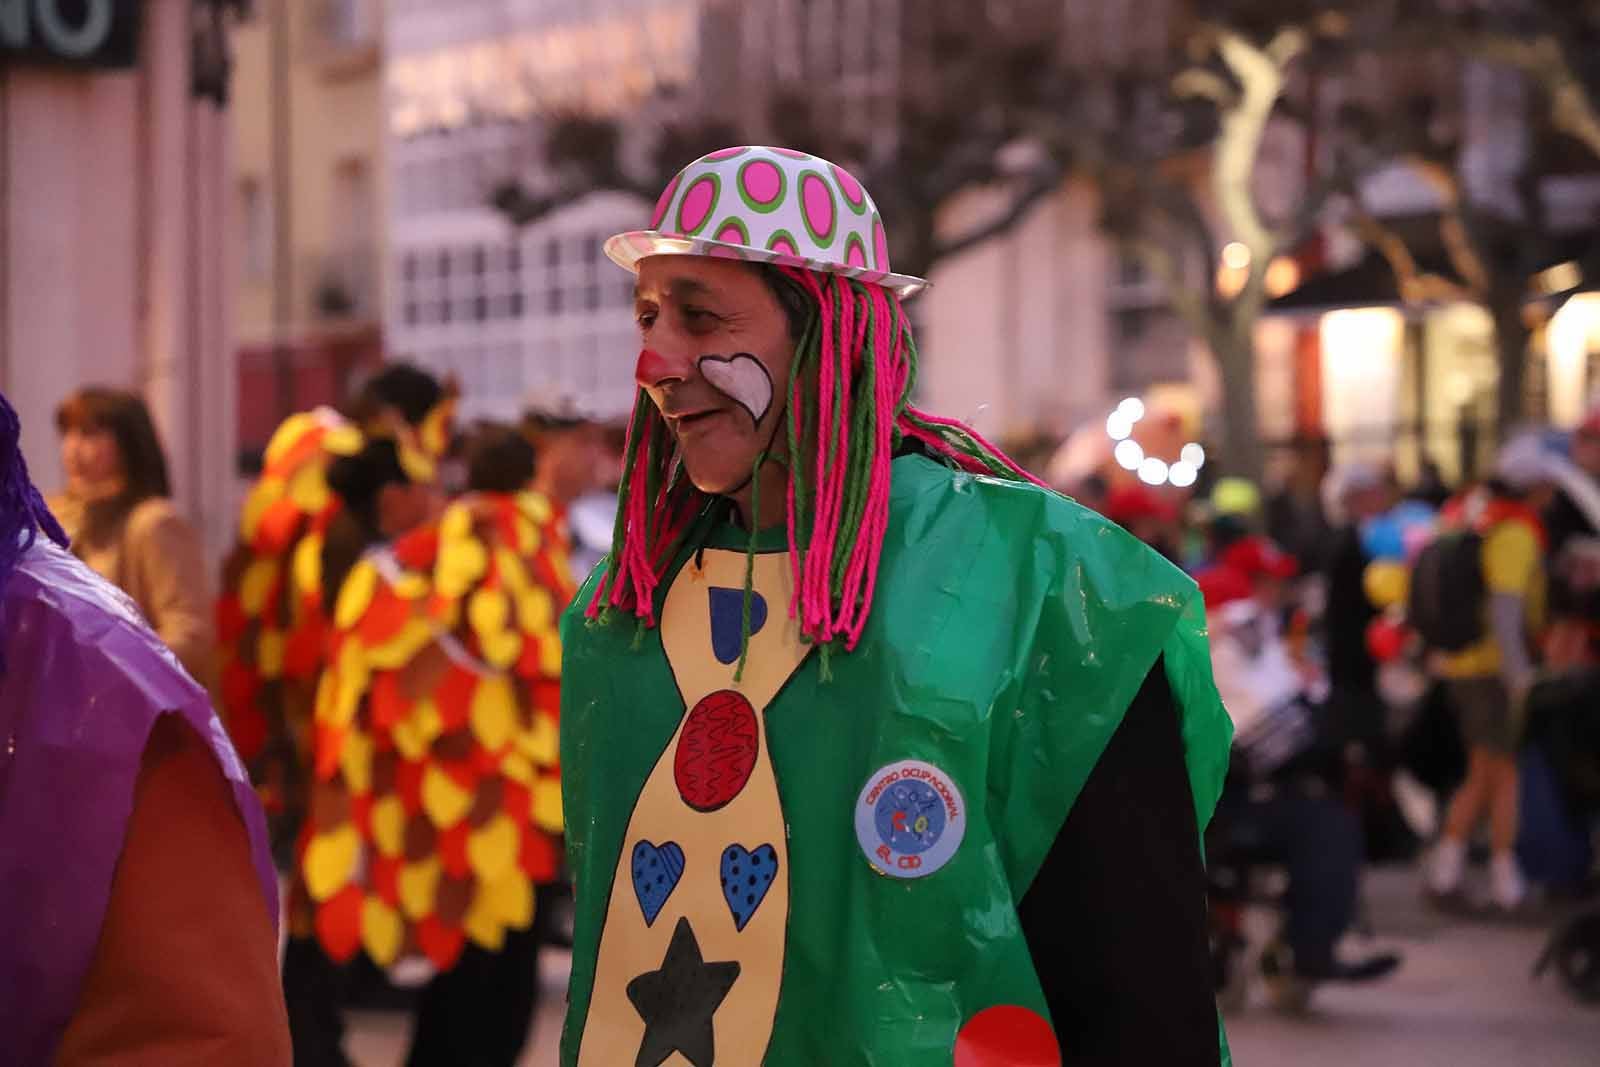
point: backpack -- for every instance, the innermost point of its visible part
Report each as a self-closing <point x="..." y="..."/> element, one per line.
<point x="1445" y="604"/>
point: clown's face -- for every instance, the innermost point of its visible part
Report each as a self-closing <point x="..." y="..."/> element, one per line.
<point x="715" y="359"/>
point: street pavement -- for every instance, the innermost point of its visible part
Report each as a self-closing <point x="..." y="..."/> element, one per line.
<point x="1463" y="998"/>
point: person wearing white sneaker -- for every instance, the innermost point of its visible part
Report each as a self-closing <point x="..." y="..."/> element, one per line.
<point x="1488" y="677"/>
<point x="1507" y="888"/>
<point x="1449" y="865"/>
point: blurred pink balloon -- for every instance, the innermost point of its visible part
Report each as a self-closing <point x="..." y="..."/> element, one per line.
<point x="1415" y="539"/>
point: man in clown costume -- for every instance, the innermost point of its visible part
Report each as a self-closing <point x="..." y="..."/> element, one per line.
<point x="874" y="751"/>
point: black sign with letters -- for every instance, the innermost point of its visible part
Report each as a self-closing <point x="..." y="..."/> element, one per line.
<point x="78" y="33"/>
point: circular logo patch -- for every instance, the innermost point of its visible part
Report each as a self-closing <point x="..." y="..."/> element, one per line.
<point x="910" y="819"/>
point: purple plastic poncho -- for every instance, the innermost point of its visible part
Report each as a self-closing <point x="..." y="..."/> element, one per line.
<point x="84" y="683"/>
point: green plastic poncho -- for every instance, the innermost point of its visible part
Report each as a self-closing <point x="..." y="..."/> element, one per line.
<point x="794" y="868"/>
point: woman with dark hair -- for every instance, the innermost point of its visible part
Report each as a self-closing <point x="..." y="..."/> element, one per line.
<point x="117" y="511"/>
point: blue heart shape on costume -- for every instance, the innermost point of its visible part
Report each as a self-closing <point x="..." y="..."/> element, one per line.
<point x="746" y="877"/>
<point x="656" y="870"/>
<point x="727" y="621"/>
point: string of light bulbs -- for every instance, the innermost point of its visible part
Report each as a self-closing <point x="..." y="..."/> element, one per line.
<point x="1152" y="470"/>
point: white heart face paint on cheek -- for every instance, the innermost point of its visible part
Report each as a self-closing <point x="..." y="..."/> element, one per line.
<point x="743" y="378"/>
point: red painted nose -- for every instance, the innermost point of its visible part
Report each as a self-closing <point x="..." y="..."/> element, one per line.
<point x="653" y="368"/>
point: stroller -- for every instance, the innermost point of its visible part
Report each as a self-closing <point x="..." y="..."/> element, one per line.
<point x="1562" y="755"/>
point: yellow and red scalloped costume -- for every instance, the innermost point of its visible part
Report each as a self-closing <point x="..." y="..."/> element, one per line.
<point x="436" y="803"/>
<point x="270" y="623"/>
<point x="271" y="627"/>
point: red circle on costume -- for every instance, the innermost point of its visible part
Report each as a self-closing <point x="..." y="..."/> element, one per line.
<point x="1007" y="1036"/>
<point x="717" y="751"/>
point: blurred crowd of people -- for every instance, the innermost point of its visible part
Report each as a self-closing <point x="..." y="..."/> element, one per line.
<point x="382" y="649"/>
<point x="1413" y="672"/>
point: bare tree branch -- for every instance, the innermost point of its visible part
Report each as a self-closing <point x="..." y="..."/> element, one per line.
<point x="1415" y="285"/>
<point x="1020" y="204"/>
<point x="1542" y="58"/>
<point x="1454" y="231"/>
<point x="1194" y="309"/>
<point x="1155" y="196"/>
<point x="1260" y="74"/>
<point x="1286" y="46"/>
<point x="1206" y="85"/>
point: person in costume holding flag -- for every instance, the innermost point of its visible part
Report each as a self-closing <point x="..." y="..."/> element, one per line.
<point x="874" y="750"/>
<point x="138" y="904"/>
<point x="436" y="803"/>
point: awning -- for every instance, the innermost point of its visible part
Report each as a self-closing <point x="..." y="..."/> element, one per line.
<point x="1370" y="281"/>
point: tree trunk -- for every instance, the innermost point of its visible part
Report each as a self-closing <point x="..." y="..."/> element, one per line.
<point x="1511" y="336"/>
<point x="1234" y="350"/>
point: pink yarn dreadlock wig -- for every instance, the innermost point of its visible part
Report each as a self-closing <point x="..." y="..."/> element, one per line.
<point x="848" y="416"/>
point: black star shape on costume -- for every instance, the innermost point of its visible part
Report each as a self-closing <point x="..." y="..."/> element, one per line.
<point x="678" y="1001"/>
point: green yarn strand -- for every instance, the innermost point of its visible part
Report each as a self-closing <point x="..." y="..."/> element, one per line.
<point x="753" y="521"/>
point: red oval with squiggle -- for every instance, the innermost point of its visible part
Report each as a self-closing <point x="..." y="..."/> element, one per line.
<point x="717" y="751"/>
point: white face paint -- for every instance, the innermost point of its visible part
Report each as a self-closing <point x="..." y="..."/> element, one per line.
<point x="743" y="378"/>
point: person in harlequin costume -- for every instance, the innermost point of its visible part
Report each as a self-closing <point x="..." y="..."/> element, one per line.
<point x="138" y="904"/>
<point x="299" y="530"/>
<point x="874" y="751"/>
<point x="436" y="805"/>
<point x="378" y="503"/>
<point x="271" y="622"/>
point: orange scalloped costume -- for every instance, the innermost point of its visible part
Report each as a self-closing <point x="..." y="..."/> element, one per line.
<point x="436" y="803"/>
<point x="270" y="623"/>
<point x="271" y="627"/>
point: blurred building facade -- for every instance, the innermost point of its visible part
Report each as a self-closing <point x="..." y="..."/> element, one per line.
<point x="1018" y="333"/>
<point x="1037" y="331"/>
<point x="309" y="201"/>
<point x="114" y="227"/>
<point x="517" y="315"/>
<point x="535" y="314"/>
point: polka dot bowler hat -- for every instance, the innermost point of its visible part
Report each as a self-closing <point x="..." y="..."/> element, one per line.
<point x="768" y="205"/>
